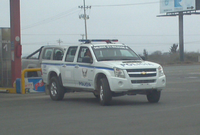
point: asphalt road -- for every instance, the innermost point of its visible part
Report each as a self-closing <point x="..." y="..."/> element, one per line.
<point x="177" y="113"/>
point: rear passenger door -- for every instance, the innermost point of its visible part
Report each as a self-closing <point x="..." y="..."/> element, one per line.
<point x="67" y="69"/>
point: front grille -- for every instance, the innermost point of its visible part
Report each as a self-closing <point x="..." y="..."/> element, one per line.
<point x="143" y="81"/>
<point x="146" y="72"/>
<point x="142" y="75"/>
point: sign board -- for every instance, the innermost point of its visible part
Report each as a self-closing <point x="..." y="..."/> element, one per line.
<point x="178" y="5"/>
<point x="32" y="85"/>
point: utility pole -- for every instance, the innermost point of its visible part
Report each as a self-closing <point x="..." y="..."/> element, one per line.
<point x="59" y="41"/>
<point x="84" y="16"/>
<point x="82" y="36"/>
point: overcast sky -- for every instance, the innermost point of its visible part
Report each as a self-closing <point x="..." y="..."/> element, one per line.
<point x="132" y="22"/>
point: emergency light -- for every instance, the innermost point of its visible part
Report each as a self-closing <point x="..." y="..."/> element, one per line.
<point x="98" y="40"/>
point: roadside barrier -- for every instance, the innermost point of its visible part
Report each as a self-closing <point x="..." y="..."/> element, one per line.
<point x="36" y="85"/>
<point x="25" y="85"/>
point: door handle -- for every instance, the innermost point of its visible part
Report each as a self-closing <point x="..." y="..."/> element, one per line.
<point x="76" y="66"/>
<point x="63" y="65"/>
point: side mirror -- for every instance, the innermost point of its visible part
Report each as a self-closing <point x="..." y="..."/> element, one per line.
<point x="87" y="60"/>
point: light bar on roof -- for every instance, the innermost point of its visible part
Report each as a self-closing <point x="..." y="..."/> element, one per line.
<point x="98" y="40"/>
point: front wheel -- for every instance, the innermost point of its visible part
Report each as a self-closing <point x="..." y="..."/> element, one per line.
<point x="96" y="95"/>
<point x="105" y="92"/>
<point x="154" y="96"/>
<point x="56" y="91"/>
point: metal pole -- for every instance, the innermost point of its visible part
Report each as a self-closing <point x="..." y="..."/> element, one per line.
<point x="181" y="42"/>
<point x="85" y="17"/>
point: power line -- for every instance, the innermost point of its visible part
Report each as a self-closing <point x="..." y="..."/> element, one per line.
<point x="53" y="18"/>
<point x="130" y="44"/>
<point x="50" y="34"/>
<point x="133" y="4"/>
<point x="63" y="14"/>
<point x="110" y="35"/>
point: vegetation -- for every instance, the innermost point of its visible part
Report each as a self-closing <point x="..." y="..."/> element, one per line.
<point x="172" y="57"/>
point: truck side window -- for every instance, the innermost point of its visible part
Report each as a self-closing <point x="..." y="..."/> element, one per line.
<point x="71" y="54"/>
<point x="47" y="54"/>
<point x="84" y="52"/>
<point x="58" y="54"/>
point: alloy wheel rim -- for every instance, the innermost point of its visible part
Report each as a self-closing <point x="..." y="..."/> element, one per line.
<point x="53" y="89"/>
<point x="101" y="92"/>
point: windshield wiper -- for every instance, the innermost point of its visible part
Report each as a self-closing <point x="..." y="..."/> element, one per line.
<point x="126" y="59"/>
<point x="105" y="59"/>
<point x="129" y="61"/>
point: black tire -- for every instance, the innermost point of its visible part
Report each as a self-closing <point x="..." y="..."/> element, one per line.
<point x="96" y="95"/>
<point x="154" y="96"/>
<point x="105" y="92"/>
<point x="56" y="91"/>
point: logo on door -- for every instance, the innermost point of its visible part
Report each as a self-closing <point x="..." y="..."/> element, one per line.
<point x="84" y="72"/>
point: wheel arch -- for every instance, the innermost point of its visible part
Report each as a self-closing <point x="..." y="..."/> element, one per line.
<point x="52" y="74"/>
<point x="98" y="77"/>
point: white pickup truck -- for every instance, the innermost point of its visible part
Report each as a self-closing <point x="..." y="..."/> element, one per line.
<point x="107" y="69"/>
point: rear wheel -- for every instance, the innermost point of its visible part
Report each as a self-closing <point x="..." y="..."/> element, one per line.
<point x="56" y="91"/>
<point x="105" y="92"/>
<point x="154" y="96"/>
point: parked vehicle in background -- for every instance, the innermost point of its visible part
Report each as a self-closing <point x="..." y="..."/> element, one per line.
<point x="34" y="60"/>
<point x="106" y="69"/>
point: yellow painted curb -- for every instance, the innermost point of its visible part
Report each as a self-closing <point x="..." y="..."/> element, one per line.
<point x="10" y="90"/>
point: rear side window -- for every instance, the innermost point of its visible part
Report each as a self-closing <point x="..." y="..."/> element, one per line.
<point x="58" y="54"/>
<point x="71" y="54"/>
<point x="47" y="54"/>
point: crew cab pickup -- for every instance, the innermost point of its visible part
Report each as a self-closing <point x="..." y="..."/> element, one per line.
<point x="107" y="69"/>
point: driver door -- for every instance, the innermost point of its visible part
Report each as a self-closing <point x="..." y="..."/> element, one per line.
<point x="84" y="71"/>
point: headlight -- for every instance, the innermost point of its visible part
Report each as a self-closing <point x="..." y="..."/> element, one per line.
<point x="119" y="73"/>
<point x="160" y="71"/>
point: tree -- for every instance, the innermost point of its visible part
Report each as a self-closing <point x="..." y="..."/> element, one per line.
<point x="173" y="48"/>
<point x="157" y="53"/>
<point x="145" y="54"/>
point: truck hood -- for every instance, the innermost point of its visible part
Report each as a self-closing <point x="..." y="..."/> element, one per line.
<point x="129" y="64"/>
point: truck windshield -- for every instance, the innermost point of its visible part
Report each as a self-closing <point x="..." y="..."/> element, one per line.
<point x="114" y="52"/>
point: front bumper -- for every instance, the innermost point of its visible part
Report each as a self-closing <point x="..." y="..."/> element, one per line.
<point x="123" y="85"/>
